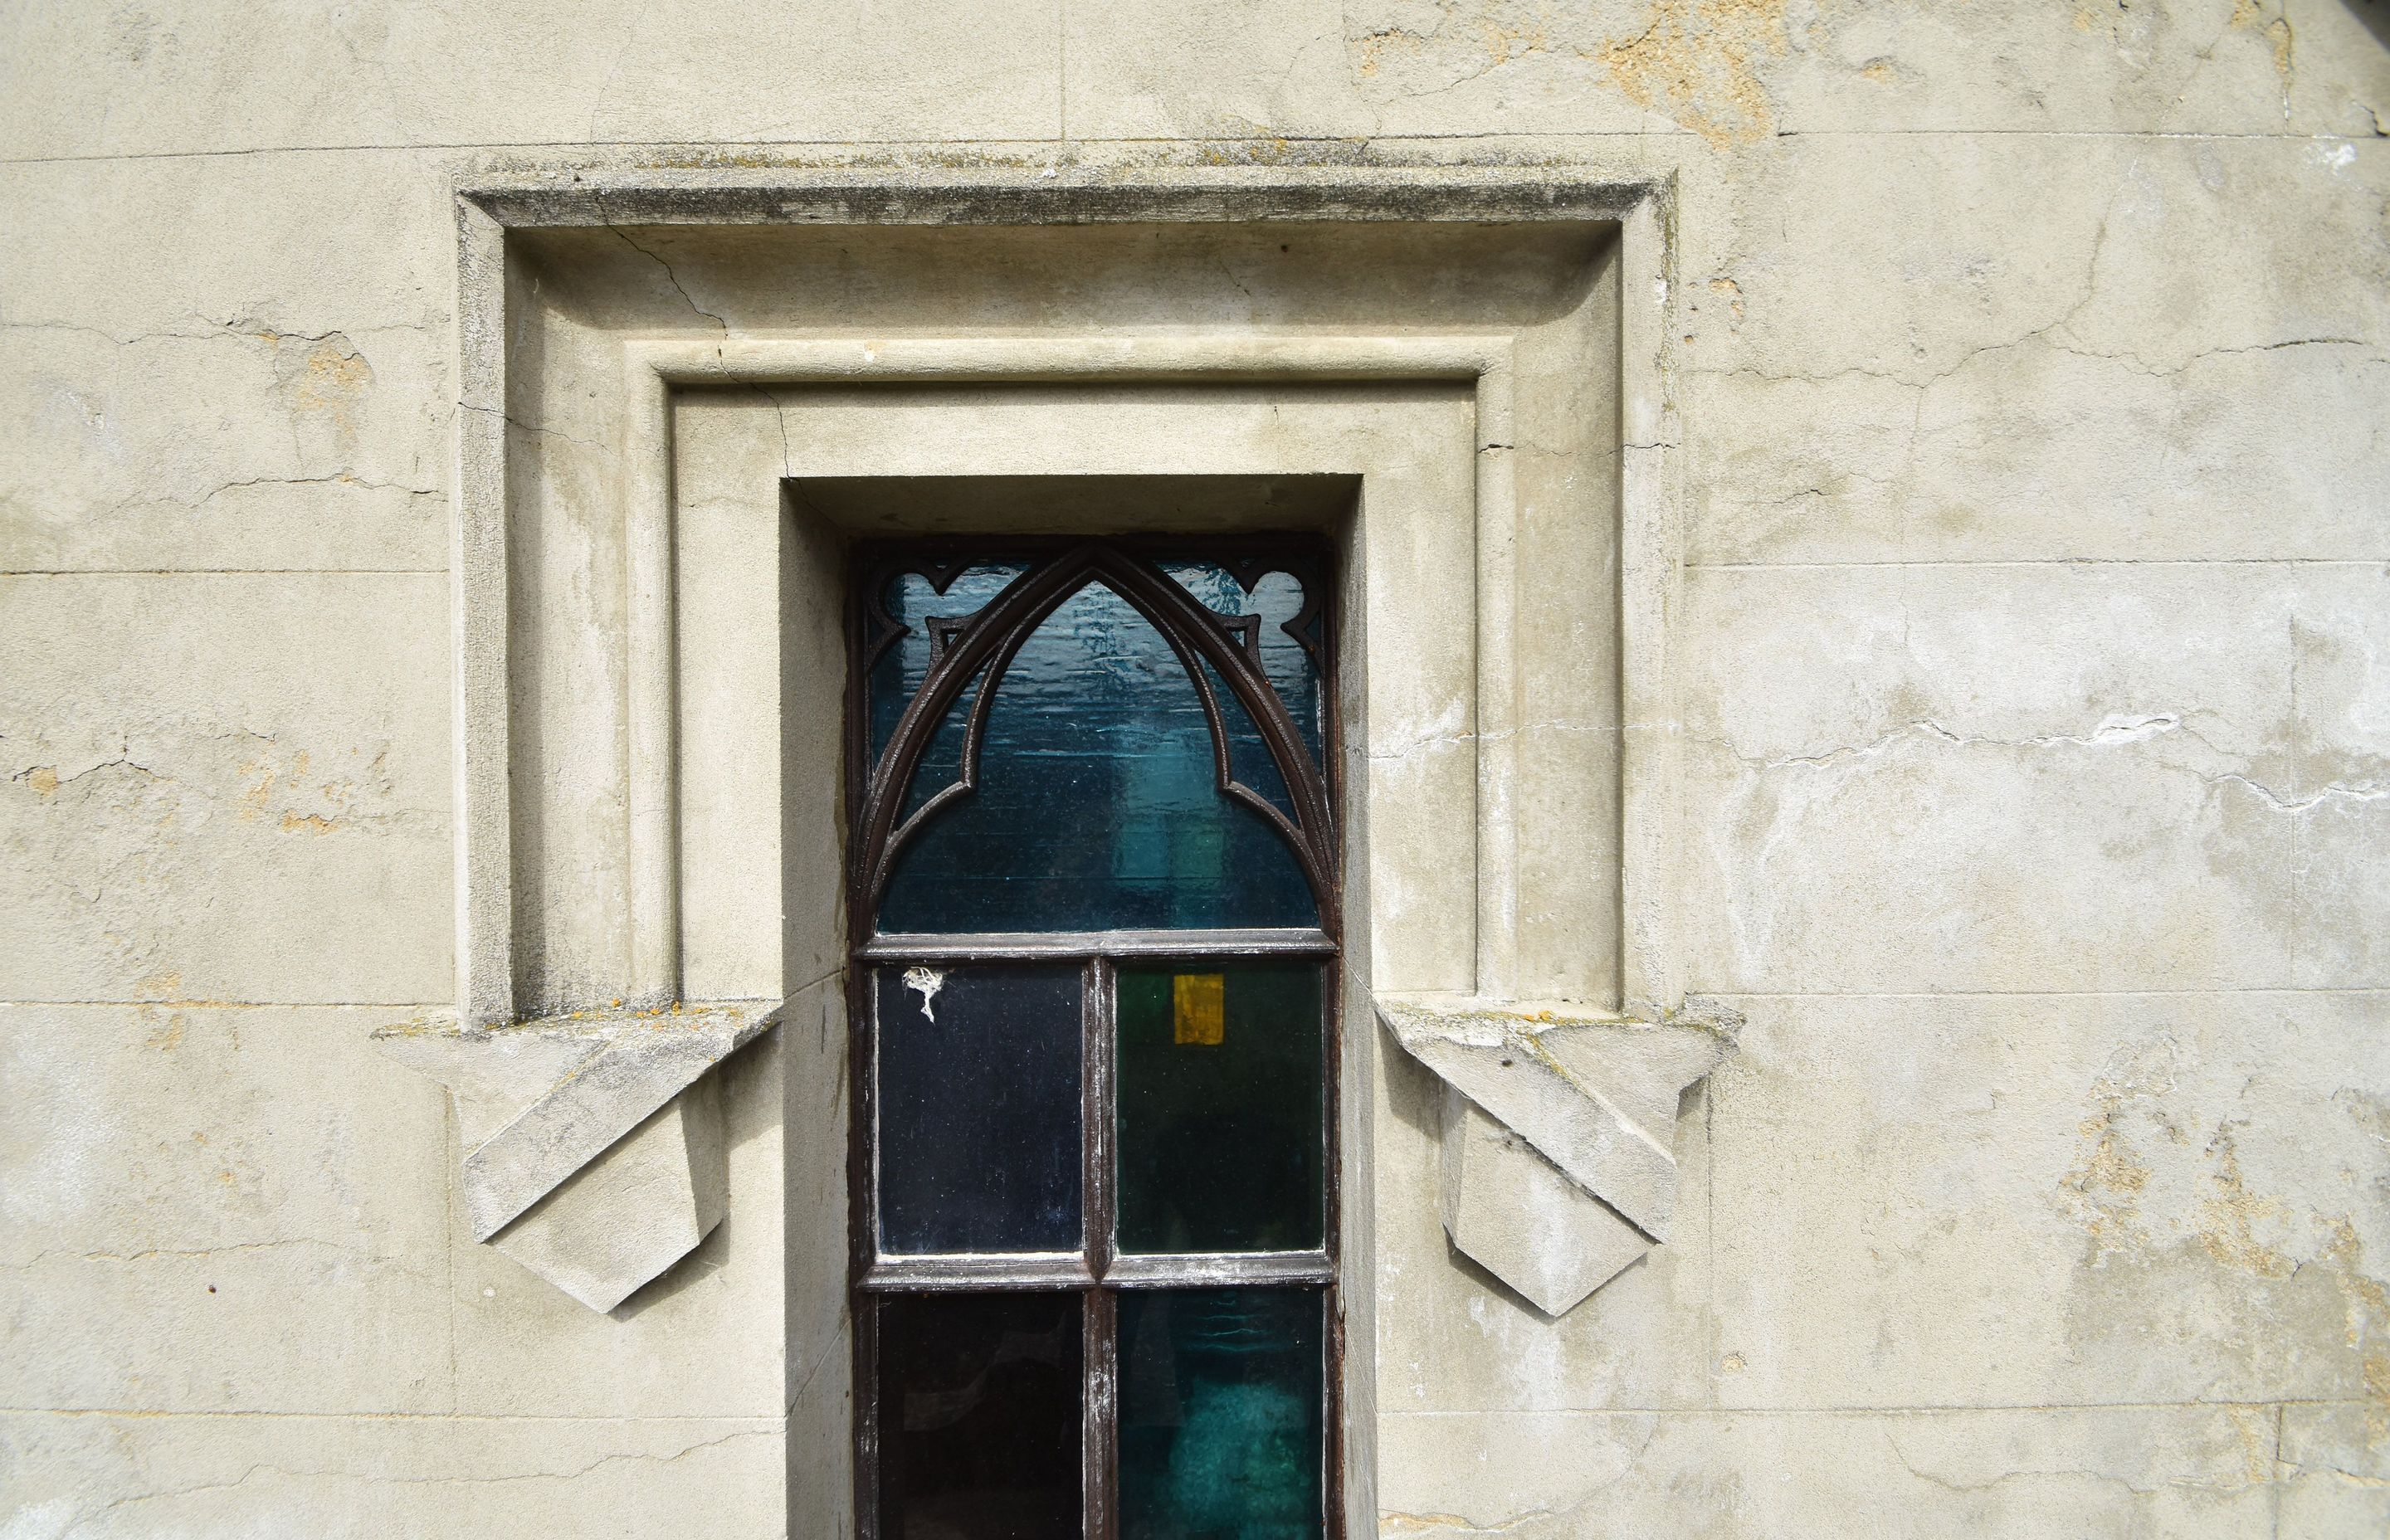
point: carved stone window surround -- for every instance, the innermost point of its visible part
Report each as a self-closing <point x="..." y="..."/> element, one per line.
<point x="655" y="368"/>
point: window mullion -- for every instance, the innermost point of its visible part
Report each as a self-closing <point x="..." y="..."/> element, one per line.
<point x="869" y="1451"/>
<point x="1100" y="1429"/>
<point x="1101" y="1397"/>
<point x="863" y="1189"/>
<point x="1096" y="1120"/>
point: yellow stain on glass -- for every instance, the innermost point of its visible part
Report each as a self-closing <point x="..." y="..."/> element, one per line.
<point x="1199" y="1008"/>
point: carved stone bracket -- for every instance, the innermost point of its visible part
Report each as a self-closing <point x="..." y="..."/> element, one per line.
<point x="1559" y="1159"/>
<point x="593" y="1144"/>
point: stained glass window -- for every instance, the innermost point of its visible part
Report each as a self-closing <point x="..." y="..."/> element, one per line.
<point x="1096" y="805"/>
<point x="1095" y="909"/>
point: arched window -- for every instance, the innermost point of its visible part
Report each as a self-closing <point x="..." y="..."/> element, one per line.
<point x="1094" y="899"/>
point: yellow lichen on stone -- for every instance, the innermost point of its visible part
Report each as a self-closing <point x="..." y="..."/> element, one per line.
<point x="1697" y="62"/>
<point x="330" y="381"/>
<point x="2105" y="1184"/>
<point x="2248" y="15"/>
<point x="2368" y="1323"/>
<point x="2226" y="1221"/>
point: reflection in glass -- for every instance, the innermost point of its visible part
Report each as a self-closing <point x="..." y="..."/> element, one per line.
<point x="1220" y="1431"/>
<point x="1098" y="807"/>
<point x="1249" y="757"/>
<point x="1220" y="1105"/>
<point x="1277" y="599"/>
<point x="979" y="1109"/>
<point x="979" y="1417"/>
<point x="912" y="601"/>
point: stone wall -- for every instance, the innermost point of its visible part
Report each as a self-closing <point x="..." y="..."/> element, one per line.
<point x="2029" y="363"/>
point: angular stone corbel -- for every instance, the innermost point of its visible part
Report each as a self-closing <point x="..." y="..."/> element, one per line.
<point x="1559" y="1135"/>
<point x="592" y="1143"/>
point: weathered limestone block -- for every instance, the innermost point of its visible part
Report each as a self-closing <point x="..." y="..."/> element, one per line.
<point x="162" y="730"/>
<point x="623" y="1219"/>
<point x="592" y="1143"/>
<point x="216" y="1208"/>
<point x="1519" y="1215"/>
<point x="1559" y="1168"/>
<point x="368" y="1476"/>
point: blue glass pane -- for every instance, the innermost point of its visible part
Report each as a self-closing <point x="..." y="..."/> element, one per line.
<point x="911" y="601"/>
<point x="1277" y="598"/>
<point x="1098" y="807"/>
<point x="979" y="1109"/>
<point x="1220" y="1430"/>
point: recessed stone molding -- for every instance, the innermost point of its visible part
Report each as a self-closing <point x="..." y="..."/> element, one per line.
<point x="592" y="1143"/>
<point x="1559" y="1136"/>
<point x="673" y="433"/>
<point x="1588" y="386"/>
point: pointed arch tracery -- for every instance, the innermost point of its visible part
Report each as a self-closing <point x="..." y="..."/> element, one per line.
<point x="984" y="643"/>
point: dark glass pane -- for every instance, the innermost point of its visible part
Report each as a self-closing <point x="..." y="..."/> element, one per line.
<point x="979" y="1109"/>
<point x="979" y="1417"/>
<point x="1221" y="1404"/>
<point x="1098" y="807"/>
<point x="911" y="600"/>
<point x="1220" y="1097"/>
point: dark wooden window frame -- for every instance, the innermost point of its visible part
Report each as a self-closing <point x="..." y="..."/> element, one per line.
<point x="1058" y="569"/>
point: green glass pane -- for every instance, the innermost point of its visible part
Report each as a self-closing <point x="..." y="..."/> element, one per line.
<point x="1221" y="1397"/>
<point x="1221" y="1108"/>
<point x="978" y="1399"/>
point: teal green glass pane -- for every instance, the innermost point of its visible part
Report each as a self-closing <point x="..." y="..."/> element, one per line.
<point x="978" y="1399"/>
<point x="911" y="601"/>
<point x="1098" y="807"/>
<point x="1221" y="1097"/>
<point x="1249" y="760"/>
<point x="1277" y="599"/>
<point x="1221" y="1397"/>
<point x="941" y="763"/>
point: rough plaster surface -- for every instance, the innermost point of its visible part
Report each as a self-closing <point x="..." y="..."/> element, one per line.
<point x="2029" y="364"/>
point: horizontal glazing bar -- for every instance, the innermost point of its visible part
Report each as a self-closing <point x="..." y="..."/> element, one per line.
<point x="1211" y="1270"/>
<point x="1000" y="946"/>
<point x="981" y="1271"/>
<point x="1202" y="1270"/>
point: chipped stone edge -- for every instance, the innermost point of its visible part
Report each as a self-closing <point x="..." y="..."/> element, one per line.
<point x="642" y="1059"/>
